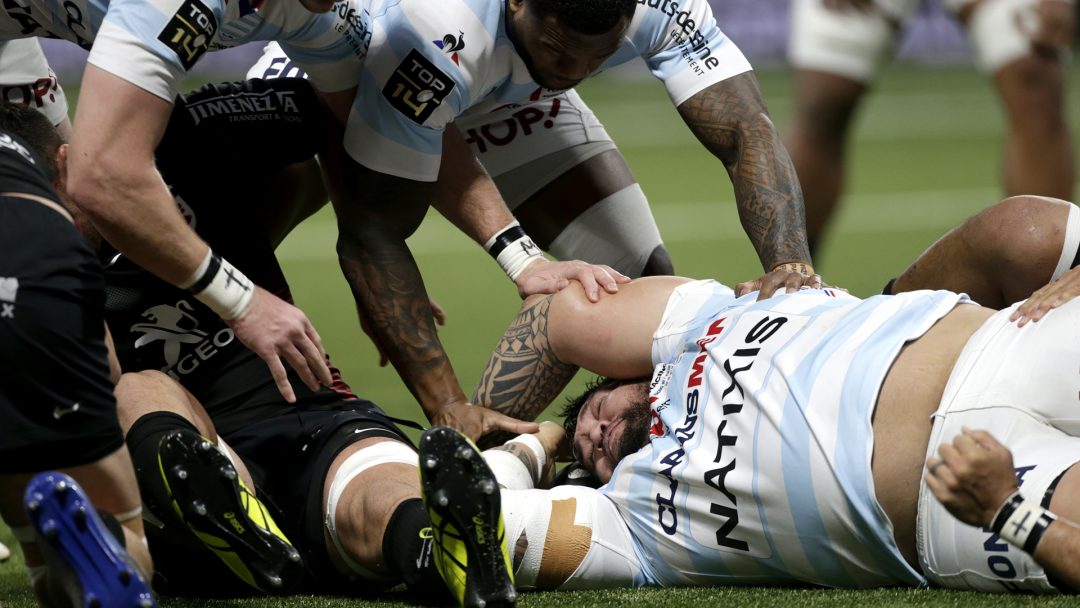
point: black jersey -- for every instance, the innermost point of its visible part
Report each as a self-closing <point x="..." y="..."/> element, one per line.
<point x="222" y="141"/>
<point x="56" y="398"/>
<point x="21" y="170"/>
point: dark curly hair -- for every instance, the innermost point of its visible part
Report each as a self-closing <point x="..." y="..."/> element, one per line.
<point x="590" y="17"/>
<point x="33" y="128"/>
<point x="573" y="406"/>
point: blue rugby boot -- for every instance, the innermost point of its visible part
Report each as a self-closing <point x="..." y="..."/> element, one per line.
<point x="82" y="555"/>
<point x="468" y="537"/>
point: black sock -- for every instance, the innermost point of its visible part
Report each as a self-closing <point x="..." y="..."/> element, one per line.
<point x="407" y="550"/>
<point x="143" y="439"/>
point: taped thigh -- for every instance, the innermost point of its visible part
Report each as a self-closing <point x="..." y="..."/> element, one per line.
<point x="384" y="452"/>
<point x="570" y="537"/>
<point x="1070" y="249"/>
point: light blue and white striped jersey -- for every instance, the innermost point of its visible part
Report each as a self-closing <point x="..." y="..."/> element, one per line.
<point x="758" y="466"/>
<point x="425" y="67"/>
<point x="153" y="43"/>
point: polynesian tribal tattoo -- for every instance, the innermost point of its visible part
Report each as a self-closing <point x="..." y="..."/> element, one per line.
<point x="730" y="119"/>
<point x="523" y="374"/>
<point x="386" y="281"/>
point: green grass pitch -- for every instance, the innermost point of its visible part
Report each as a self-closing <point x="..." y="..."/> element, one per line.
<point x="925" y="155"/>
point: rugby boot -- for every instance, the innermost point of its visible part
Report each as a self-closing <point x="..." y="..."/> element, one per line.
<point x="468" y="537"/>
<point x="223" y="514"/>
<point x="83" y="556"/>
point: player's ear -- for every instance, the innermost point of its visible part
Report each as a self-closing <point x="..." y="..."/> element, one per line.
<point x="61" y="168"/>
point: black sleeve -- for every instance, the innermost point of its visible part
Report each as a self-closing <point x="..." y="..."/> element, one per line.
<point x="230" y="128"/>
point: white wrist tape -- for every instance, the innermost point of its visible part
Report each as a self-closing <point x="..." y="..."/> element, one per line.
<point x="510" y="471"/>
<point x="513" y="249"/>
<point x="221" y="286"/>
<point x="1022" y="523"/>
<point x="534" y="445"/>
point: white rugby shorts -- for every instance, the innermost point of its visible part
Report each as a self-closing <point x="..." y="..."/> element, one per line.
<point x="26" y="79"/>
<point x="855" y="44"/>
<point x="1021" y="385"/>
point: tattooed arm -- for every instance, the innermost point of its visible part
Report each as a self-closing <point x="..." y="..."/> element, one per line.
<point x="730" y="119"/>
<point x="376" y="213"/>
<point x="523" y="374"/>
<point x="554" y="335"/>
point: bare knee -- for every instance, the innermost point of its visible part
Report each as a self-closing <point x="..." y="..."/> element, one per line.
<point x="134" y="386"/>
<point x="364" y="486"/>
<point x="143" y="392"/>
<point x="1024" y="231"/>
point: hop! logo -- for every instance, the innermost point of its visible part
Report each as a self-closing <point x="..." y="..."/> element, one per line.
<point x="451" y="45"/>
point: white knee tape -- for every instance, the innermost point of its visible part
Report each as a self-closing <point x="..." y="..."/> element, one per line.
<point x="384" y="452"/>
<point x="510" y="471"/>
<point x="619" y="231"/>
<point x="1071" y="248"/>
<point x="575" y="539"/>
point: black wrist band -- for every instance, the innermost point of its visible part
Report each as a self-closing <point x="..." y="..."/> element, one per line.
<point x="208" y="276"/>
<point x="1005" y="512"/>
<point x="505" y="238"/>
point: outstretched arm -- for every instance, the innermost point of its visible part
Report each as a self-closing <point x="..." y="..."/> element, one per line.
<point x="730" y="119"/>
<point x="554" y="335"/>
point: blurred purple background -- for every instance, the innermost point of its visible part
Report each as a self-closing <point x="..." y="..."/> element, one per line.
<point x="759" y="27"/>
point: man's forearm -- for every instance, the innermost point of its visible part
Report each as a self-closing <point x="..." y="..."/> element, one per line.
<point x="466" y="195"/>
<point x="1059" y="552"/>
<point x="392" y="301"/>
<point x="145" y="225"/>
<point x="383" y="275"/>
<point x="523" y="374"/>
<point x="731" y="121"/>
<point x="111" y="175"/>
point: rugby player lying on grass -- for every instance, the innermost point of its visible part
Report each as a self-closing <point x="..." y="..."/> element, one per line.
<point x="786" y="441"/>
